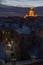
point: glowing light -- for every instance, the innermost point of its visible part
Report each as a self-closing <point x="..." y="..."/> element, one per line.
<point x="6" y="39"/>
<point x="36" y="15"/>
<point x="3" y="31"/>
<point x="9" y="44"/>
<point x="24" y="17"/>
<point x="31" y="13"/>
<point x="12" y="41"/>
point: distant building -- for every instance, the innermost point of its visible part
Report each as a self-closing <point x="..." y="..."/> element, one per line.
<point x="31" y="13"/>
<point x="23" y="40"/>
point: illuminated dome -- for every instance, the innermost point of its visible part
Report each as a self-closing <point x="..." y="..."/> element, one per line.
<point x="31" y="13"/>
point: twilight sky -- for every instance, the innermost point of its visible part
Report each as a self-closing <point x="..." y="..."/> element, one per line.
<point x="22" y="3"/>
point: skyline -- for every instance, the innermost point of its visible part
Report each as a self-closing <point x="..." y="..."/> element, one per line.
<point x="22" y="3"/>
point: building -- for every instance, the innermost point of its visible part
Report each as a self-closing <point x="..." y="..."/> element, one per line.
<point x="31" y="13"/>
<point x="16" y="34"/>
<point x="23" y="39"/>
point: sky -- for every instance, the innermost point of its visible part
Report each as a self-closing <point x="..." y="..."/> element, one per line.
<point x="22" y="3"/>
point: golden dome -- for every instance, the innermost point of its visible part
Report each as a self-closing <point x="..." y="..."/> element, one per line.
<point x="31" y="13"/>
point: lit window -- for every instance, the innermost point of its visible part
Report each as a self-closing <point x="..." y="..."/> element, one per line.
<point x="6" y="39"/>
<point x="12" y="42"/>
<point x="9" y="45"/>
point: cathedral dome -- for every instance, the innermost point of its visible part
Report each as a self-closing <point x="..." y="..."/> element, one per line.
<point x="31" y="13"/>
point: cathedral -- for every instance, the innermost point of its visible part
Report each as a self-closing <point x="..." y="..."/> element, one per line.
<point x="31" y="13"/>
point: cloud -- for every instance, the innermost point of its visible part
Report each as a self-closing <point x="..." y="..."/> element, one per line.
<point x="15" y="0"/>
<point x="1" y="0"/>
<point x="23" y="3"/>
